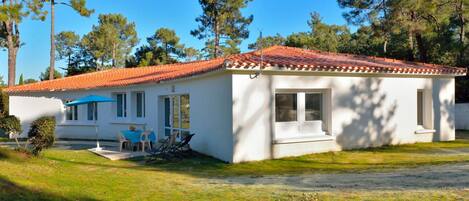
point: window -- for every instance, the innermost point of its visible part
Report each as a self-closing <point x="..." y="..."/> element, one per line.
<point x="285" y="107"/>
<point x="185" y="112"/>
<point x="420" y="107"/>
<point x="92" y="111"/>
<point x="121" y="105"/>
<point x="140" y="99"/>
<point x="313" y="107"/>
<point x="71" y="112"/>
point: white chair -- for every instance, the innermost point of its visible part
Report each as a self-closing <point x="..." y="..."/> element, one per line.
<point x="123" y="142"/>
<point x="144" y="140"/>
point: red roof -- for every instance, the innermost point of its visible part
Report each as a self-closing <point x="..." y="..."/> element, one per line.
<point x="277" y="57"/>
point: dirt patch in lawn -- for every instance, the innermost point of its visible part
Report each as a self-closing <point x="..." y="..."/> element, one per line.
<point x="452" y="176"/>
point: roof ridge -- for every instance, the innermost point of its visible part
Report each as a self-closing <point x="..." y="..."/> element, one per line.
<point x="386" y="59"/>
<point x="65" y="78"/>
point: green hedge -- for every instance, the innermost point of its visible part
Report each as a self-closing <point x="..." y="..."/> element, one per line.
<point x="42" y="134"/>
<point x="3" y="103"/>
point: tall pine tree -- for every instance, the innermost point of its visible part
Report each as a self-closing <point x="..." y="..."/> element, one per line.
<point x="222" y="25"/>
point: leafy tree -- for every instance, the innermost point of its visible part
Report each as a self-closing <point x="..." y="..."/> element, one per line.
<point x="191" y="54"/>
<point x="267" y="42"/>
<point x="163" y="48"/>
<point x="76" y="5"/>
<point x="67" y="43"/>
<point x="111" y="40"/>
<point x="11" y="15"/>
<point x="2" y="82"/>
<point x="45" y="75"/>
<point x="21" y="80"/>
<point x="322" y="36"/>
<point x="222" y="25"/>
<point x="29" y="81"/>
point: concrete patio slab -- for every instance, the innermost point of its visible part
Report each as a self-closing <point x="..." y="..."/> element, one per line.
<point x="116" y="155"/>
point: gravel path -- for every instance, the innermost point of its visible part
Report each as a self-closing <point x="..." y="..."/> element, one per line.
<point x="451" y="176"/>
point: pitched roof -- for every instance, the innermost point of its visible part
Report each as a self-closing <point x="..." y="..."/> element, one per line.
<point x="273" y="58"/>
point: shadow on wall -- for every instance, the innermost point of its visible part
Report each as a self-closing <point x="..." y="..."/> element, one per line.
<point x="371" y="126"/>
<point x="11" y="191"/>
<point x="242" y="153"/>
<point x="442" y="109"/>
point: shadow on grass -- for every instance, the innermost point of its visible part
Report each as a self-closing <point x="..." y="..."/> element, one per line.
<point x="11" y="191"/>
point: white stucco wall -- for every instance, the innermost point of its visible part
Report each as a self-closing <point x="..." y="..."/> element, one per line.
<point x="210" y="112"/>
<point x="364" y="111"/>
<point x="462" y="116"/>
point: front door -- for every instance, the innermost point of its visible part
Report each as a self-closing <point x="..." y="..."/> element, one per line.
<point x="177" y="115"/>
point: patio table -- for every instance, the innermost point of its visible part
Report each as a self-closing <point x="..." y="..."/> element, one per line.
<point x="134" y="136"/>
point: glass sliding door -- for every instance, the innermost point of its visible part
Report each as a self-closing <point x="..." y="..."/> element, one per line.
<point x="177" y="115"/>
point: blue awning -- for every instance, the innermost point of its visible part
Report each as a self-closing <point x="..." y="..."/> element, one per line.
<point x="90" y="99"/>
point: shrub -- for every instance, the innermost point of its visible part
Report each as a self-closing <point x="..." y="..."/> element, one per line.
<point x="42" y="134"/>
<point x="3" y="104"/>
<point x="10" y="125"/>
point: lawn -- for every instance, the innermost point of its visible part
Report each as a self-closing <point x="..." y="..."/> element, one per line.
<point x="81" y="175"/>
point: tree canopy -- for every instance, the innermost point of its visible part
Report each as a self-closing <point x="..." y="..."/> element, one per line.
<point x="112" y="40"/>
<point x="222" y="25"/>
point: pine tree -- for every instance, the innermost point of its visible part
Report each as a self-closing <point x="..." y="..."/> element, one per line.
<point x="222" y="25"/>
<point x="21" y="80"/>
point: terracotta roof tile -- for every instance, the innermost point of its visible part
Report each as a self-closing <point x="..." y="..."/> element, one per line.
<point x="286" y="58"/>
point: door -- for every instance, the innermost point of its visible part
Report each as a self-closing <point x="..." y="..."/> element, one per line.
<point x="177" y="115"/>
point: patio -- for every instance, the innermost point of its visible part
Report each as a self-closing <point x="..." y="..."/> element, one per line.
<point x="110" y="149"/>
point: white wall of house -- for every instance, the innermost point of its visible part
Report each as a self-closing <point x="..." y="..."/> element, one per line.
<point x="210" y="111"/>
<point x="462" y="116"/>
<point x="233" y="115"/>
<point x="359" y="112"/>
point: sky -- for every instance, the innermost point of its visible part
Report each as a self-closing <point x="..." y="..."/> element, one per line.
<point x="270" y="17"/>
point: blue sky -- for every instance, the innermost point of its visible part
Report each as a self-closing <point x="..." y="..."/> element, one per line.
<point x="270" y="16"/>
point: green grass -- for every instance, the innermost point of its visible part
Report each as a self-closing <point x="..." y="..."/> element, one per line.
<point x="81" y="175"/>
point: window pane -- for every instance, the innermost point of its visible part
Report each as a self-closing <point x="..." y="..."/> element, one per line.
<point x="285" y="107"/>
<point x="175" y="112"/>
<point x="185" y="111"/>
<point x="167" y="107"/>
<point x="75" y="112"/>
<point x="139" y="105"/>
<point x="420" y="108"/>
<point x="125" y="104"/>
<point x="313" y="107"/>
<point x="68" y="112"/>
<point x="119" y="105"/>
<point x="95" y="111"/>
<point x="90" y="111"/>
<point x="167" y="132"/>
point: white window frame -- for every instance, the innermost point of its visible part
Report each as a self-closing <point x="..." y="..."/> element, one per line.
<point x="73" y="110"/>
<point x="427" y="110"/>
<point x="294" y="128"/>
<point x="94" y="111"/>
<point x="123" y="106"/>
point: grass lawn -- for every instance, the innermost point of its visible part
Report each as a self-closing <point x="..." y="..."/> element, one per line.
<point x="81" y="175"/>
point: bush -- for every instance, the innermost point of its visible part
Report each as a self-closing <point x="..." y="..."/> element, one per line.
<point x="42" y="134"/>
<point x="3" y="104"/>
<point x="10" y="125"/>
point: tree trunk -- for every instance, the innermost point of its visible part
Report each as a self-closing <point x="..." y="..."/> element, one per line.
<point x="52" y="40"/>
<point x="462" y="31"/>
<point x="113" y="55"/>
<point x="421" y="47"/>
<point x="13" y="41"/>
<point x="410" y="52"/>
<point x="216" y="41"/>
<point x="12" y="52"/>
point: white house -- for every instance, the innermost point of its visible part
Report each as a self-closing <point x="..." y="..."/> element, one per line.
<point x="259" y="105"/>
